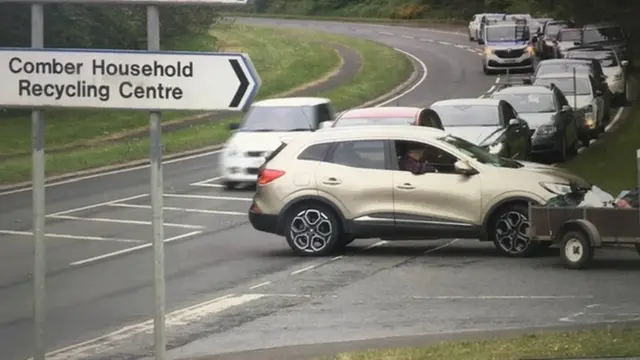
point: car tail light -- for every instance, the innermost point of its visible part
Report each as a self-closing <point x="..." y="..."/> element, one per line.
<point x="266" y="176"/>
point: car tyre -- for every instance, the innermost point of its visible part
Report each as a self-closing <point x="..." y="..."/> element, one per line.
<point x="561" y="156"/>
<point x="575" y="146"/>
<point x="508" y="231"/>
<point x="312" y="229"/>
<point x="575" y="249"/>
<point x="486" y="70"/>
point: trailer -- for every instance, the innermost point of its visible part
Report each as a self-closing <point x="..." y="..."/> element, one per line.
<point x="579" y="231"/>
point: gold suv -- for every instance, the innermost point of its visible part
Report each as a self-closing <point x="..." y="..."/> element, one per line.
<point x="324" y="189"/>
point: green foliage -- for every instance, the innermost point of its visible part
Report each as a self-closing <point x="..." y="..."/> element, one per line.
<point x="106" y="26"/>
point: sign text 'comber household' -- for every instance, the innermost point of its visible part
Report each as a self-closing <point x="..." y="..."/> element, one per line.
<point x="129" y="80"/>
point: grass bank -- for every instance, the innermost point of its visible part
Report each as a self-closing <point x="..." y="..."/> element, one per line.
<point x="284" y="59"/>
<point x="547" y="345"/>
<point x="372" y="20"/>
<point x="611" y="163"/>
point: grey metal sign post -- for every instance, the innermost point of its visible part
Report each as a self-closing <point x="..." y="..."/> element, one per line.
<point x="198" y="88"/>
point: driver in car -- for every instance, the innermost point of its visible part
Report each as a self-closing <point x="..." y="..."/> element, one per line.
<point x="414" y="160"/>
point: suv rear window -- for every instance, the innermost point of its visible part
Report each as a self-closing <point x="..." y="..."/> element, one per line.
<point x="316" y="152"/>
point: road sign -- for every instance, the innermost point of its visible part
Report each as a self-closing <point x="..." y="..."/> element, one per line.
<point x="112" y="79"/>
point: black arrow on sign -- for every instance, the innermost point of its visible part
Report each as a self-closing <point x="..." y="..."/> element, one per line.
<point x="244" y="83"/>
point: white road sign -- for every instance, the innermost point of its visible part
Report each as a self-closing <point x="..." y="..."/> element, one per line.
<point x="112" y="79"/>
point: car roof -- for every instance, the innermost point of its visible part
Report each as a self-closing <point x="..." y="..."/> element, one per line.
<point x="600" y="25"/>
<point x="570" y="29"/>
<point x="563" y="75"/>
<point x="337" y="133"/>
<point x="507" y="23"/>
<point x="470" y="101"/>
<point x="525" y="89"/>
<point x="292" y="101"/>
<point x="384" y="111"/>
<point x="565" y="61"/>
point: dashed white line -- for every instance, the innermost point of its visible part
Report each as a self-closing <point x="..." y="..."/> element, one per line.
<point x="427" y="40"/>
<point x="444" y="43"/>
<point x="460" y="46"/>
<point x="502" y="297"/>
<point x="497" y="79"/>
<point x="407" y="36"/>
<point x="385" y="33"/>
<point x="260" y="285"/>
<point x="93" y="206"/>
<point x="471" y="50"/>
<point x="208" y="182"/>
<point x="130" y="250"/>
<point x="207" y="197"/>
<point x="70" y="237"/>
<point x="303" y="269"/>
<point x="173" y="208"/>
<point x="337" y="257"/>
<point x="119" y="221"/>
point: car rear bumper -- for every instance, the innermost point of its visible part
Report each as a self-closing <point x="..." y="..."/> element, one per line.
<point x="264" y="222"/>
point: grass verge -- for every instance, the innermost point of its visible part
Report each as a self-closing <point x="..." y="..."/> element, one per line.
<point x="548" y="345"/>
<point x="372" y="20"/>
<point x="382" y="69"/>
<point x="611" y="164"/>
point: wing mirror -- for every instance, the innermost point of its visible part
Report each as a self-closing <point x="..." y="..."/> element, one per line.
<point x="233" y="126"/>
<point x="624" y="63"/>
<point x="514" y="122"/>
<point x="326" y="124"/>
<point x="463" y="168"/>
<point x="565" y="108"/>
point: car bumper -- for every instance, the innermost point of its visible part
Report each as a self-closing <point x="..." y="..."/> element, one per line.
<point x="264" y="222"/>
<point x="495" y="63"/>
<point x="240" y="169"/>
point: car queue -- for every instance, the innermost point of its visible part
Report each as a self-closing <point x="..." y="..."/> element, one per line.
<point x="402" y="173"/>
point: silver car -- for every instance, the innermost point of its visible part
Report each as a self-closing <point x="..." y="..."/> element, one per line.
<point x="614" y="68"/>
<point x="507" y="46"/>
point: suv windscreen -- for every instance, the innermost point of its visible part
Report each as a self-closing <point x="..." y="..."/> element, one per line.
<point x="582" y="85"/>
<point x="479" y="154"/>
<point x="529" y="103"/>
<point x="606" y="58"/>
<point x="503" y="33"/>
<point x="468" y="115"/>
<point x="562" y="67"/>
<point x="374" y="121"/>
<point x="279" y="118"/>
<point x="569" y="35"/>
<point x="594" y="35"/>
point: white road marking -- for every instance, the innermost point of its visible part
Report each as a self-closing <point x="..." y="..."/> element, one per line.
<point x="460" y="46"/>
<point x="119" y="221"/>
<point x="172" y="208"/>
<point x="444" y="43"/>
<point x="208" y="182"/>
<point x="70" y="237"/>
<point x="493" y="87"/>
<point x="98" y="205"/>
<point x="444" y="32"/>
<point x="502" y="297"/>
<point x="379" y="243"/>
<point x="385" y="33"/>
<point x="207" y="197"/>
<point x="180" y="317"/>
<point x="337" y="257"/>
<point x="418" y="83"/>
<point x="260" y="285"/>
<point x="497" y="79"/>
<point x="408" y="37"/>
<point x="303" y="269"/>
<point x="114" y="172"/>
<point x="427" y="40"/>
<point x="471" y="50"/>
<point x="441" y="246"/>
<point x="615" y="119"/>
<point x="131" y="249"/>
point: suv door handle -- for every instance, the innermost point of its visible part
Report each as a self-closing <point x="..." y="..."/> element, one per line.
<point x="331" y="181"/>
<point x="406" y="186"/>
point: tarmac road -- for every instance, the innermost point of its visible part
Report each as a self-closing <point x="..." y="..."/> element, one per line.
<point x="230" y="288"/>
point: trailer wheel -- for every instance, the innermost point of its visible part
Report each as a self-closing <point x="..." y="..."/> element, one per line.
<point x="576" y="250"/>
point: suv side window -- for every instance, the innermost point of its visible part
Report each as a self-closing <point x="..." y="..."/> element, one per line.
<point x="315" y="152"/>
<point x="366" y="154"/>
<point x="441" y="160"/>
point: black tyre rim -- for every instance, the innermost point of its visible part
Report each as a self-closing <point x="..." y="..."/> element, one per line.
<point x="311" y="231"/>
<point x="511" y="232"/>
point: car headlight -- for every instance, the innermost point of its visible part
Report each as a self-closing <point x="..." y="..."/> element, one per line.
<point x="531" y="50"/>
<point x="488" y="51"/>
<point x="546" y="130"/>
<point x="556" y="188"/>
<point x="495" y="148"/>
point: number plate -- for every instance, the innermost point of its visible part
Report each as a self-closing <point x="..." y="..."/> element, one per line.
<point x="509" y="61"/>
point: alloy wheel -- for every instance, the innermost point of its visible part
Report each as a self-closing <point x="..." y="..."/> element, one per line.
<point x="511" y="232"/>
<point x="311" y="231"/>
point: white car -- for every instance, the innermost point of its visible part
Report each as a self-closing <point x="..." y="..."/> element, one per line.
<point x="613" y="68"/>
<point x="474" y="27"/>
<point x="566" y="39"/>
<point x="261" y="132"/>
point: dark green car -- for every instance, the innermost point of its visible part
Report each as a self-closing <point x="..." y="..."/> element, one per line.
<point x="553" y="124"/>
